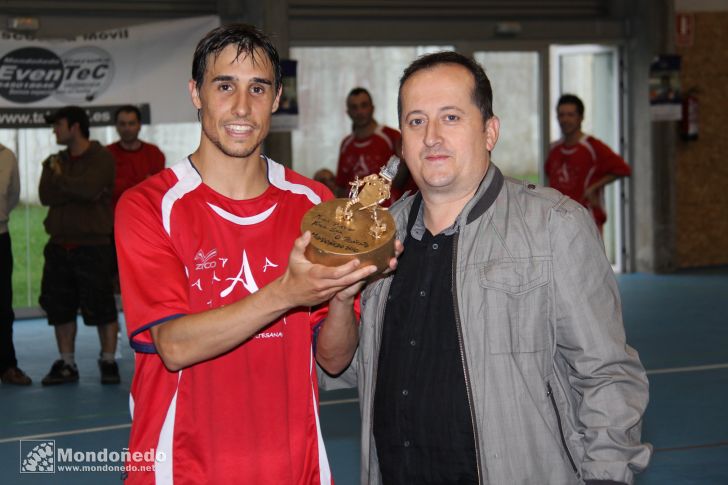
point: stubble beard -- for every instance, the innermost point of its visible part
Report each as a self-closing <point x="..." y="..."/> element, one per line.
<point x="243" y="153"/>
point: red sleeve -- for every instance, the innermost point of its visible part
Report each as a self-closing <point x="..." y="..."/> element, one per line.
<point x="157" y="164"/>
<point x="393" y="134"/>
<point x="153" y="278"/>
<point x="608" y="162"/>
<point x="547" y="165"/>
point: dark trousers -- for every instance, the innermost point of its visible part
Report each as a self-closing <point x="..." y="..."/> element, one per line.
<point x="7" y="351"/>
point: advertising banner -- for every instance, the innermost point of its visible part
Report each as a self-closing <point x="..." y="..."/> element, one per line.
<point x="147" y="64"/>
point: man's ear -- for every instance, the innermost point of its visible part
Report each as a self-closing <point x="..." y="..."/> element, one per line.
<point x="277" y="101"/>
<point x="492" y="130"/>
<point x="194" y="93"/>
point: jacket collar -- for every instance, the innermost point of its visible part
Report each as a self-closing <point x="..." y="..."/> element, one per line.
<point x="484" y="197"/>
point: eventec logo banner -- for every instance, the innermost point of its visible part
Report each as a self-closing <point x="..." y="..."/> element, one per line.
<point x="147" y="63"/>
<point x="77" y="76"/>
<point x="42" y="456"/>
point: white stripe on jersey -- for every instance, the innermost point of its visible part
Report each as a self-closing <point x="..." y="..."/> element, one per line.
<point x="242" y="221"/>
<point x="164" y="469"/>
<point x="187" y="180"/>
<point x="588" y="179"/>
<point x="585" y="141"/>
<point x="277" y="177"/>
<point x="324" y="469"/>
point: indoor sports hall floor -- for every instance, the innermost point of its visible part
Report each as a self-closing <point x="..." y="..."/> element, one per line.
<point x="678" y="323"/>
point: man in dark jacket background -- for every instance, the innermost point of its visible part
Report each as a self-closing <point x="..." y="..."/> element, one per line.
<point x="76" y="184"/>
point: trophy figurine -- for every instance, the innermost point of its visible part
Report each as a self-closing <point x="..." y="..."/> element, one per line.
<point x="357" y="227"/>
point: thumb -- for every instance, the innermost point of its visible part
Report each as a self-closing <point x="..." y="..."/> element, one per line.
<point x="299" y="246"/>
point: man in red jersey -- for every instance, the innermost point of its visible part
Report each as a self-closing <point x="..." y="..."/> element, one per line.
<point x="135" y="159"/>
<point x="368" y="147"/>
<point x="217" y="292"/>
<point x="579" y="165"/>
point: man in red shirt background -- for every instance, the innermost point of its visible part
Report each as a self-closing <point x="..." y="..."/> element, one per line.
<point x="579" y="165"/>
<point x="368" y="147"/>
<point x="135" y="159"/>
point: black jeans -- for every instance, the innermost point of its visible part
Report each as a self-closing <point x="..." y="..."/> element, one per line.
<point x="7" y="316"/>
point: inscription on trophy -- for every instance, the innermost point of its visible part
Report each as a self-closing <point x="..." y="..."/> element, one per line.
<point x="357" y="227"/>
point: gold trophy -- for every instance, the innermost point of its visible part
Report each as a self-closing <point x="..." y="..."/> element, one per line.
<point x="357" y="227"/>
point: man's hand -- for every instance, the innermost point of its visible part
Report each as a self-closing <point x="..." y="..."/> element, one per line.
<point x="55" y="165"/>
<point x="339" y="335"/>
<point x="347" y="295"/>
<point x="591" y="196"/>
<point x="308" y="284"/>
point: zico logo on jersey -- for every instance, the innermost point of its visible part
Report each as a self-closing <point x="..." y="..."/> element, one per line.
<point x="205" y="260"/>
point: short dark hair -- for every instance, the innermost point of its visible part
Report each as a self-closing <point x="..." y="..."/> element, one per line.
<point x="359" y="90"/>
<point x="571" y="99"/>
<point x="247" y="38"/>
<point x="72" y="114"/>
<point x="128" y="108"/>
<point x="482" y="91"/>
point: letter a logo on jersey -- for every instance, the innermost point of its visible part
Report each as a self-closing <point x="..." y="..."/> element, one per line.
<point x="247" y="279"/>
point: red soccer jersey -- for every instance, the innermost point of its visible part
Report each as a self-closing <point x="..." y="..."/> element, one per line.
<point x="251" y="415"/>
<point x="134" y="166"/>
<point x="571" y="169"/>
<point x="359" y="158"/>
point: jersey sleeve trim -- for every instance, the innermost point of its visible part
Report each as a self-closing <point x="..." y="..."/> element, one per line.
<point x="148" y="347"/>
<point x="277" y="177"/>
<point x="188" y="179"/>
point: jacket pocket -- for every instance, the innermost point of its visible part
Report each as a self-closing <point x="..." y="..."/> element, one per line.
<point x="515" y="300"/>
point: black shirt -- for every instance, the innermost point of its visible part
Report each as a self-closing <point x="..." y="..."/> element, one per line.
<point x="422" y="424"/>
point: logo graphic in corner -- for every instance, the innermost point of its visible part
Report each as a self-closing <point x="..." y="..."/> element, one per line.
<point x="205" y="260"/>
<point x="37" y="456"/>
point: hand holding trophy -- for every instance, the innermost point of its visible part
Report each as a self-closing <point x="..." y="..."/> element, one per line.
<point x="357" y="227"/>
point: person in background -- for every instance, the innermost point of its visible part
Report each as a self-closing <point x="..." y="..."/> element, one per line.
<point x="496" y="352"/>
<point x="76" y="184"/>
<point x="368" y="148"/>
<point x="326" y="177"/>
<point x="135" y="159"/>
<point x="580" y="165"/>
<point x="9" y="197"/>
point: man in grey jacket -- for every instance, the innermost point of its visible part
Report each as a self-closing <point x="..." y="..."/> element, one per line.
<point x="496" y="352"/>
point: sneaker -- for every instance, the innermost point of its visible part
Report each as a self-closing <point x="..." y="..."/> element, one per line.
<point x="109" y="372"/>
<point x="15" y="376"/>
<point x="60" y="373"/>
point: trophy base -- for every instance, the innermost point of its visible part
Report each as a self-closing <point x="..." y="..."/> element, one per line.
<point x="335" y="242"/>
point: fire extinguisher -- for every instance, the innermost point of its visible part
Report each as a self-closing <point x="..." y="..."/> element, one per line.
<point x="690" y="116"/>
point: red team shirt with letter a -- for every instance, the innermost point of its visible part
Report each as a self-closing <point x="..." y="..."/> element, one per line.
<point x="571" y="169"/>
<point x="251" y="415"/>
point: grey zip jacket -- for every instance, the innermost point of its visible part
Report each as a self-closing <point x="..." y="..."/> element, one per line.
<point x="555" y="393"/>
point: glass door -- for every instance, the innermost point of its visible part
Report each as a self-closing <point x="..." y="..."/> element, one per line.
<point x="516" y="83"/>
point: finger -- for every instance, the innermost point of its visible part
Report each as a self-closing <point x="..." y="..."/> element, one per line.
<point x="350" y="292"/>
<point x="335" y="272"/>
<point x="392" y="265"/>
<point x="398" y="248"/>
<point x="352" y="277"/>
